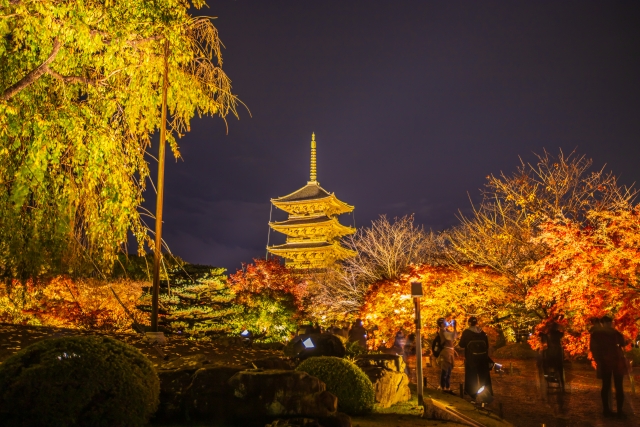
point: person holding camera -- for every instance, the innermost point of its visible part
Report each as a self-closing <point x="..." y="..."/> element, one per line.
<point x="477" y="364"/>
<point x="443" y="345"/>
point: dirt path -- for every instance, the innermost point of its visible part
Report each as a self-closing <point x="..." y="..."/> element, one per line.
<point x="526" y="404"/>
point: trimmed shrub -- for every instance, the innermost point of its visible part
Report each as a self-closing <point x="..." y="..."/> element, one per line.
<point x="353" y="349"/>
<point x="78" y="381"/>
<point x="345" y="380"/>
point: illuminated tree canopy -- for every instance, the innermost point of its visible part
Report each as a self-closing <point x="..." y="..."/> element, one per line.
<point x="273" y="299"/>
<point x="454" y="293"/>
<point x="80" y="95"/>
<point x="554" y="242"/>
<point x="593" y="270"/>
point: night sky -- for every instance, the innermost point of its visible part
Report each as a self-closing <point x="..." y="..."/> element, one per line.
<point x="413" y="104"/>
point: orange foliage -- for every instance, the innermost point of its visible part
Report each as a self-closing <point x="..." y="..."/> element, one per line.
<point x="453" y="293"/>
<point x="269" y="275"/>
<point x="67" y="303"/>
<point x="590" y="271"/>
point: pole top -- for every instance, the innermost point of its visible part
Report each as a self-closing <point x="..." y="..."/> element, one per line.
<point x="313" y="175"/>
<point x="416" y="290"/>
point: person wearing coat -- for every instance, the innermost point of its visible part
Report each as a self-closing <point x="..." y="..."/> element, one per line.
<point x="553" y="353"/>
<point x="606" y="345"/>
<point x="446" y="356"/>
<point x="477" y="364"/>
<point x="358" y="334"/>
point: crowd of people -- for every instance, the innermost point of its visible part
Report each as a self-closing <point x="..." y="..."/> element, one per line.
<point x="606" y="346"/>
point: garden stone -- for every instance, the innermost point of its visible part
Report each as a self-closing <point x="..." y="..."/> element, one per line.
<point x="390" y="386"/>
<point x="175" y="378"/>
<point x="209" y="397"/>
<point x="281" y="393"/>
<point x="388" y="361"/>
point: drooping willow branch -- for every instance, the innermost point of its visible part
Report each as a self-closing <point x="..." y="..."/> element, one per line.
<point x="32" y="75"/>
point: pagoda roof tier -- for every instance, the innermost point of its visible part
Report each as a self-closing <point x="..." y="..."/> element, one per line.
<point x="310" y="227"/>
<point x="311" y="199"/>
<point x="311" y="254"/>
<point x="310" y="191"/>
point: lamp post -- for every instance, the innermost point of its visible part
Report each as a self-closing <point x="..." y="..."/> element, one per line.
<point x="416" y="294"/>
<point x="155" y="335"/>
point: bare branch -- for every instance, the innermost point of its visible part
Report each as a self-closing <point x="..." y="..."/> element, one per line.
<point x="70" y="79"/>
<point x="33" y="75"/>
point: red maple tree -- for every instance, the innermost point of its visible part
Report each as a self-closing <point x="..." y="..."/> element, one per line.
<point x="591" y="270"/>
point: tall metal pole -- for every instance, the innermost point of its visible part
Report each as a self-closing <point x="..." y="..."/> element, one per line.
<point x="160" y="196"/>
<point x="416" y="302"/>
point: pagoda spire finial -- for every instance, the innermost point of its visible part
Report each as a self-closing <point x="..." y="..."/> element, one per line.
<point x="313" y="158"/>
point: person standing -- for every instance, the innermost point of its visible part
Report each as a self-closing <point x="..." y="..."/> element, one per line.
<point x="553" y="353"/>
<point x="358" y="334"/>
<point x="606" y="345"/>
<point x="399" y="342"/>
<point x="446" y="357"/>
<point x="477" y="368"/>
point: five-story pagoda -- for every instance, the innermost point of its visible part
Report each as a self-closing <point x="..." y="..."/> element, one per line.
<point x="312" y="229"/>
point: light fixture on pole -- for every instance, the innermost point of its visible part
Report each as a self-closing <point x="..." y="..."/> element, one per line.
<point x="416" y="294"/>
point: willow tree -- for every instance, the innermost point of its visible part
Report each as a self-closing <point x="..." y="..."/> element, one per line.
<point x="80" y="96"/>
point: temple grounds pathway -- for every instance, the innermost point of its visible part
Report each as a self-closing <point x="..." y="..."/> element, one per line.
<point x="524" y="401"/>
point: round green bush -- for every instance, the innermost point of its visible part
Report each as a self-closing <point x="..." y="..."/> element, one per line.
<point x="78" y="381"/>
<point x="345" y="380"/>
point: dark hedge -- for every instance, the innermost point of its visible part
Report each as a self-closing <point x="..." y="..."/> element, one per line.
<point x="78" y="381"/>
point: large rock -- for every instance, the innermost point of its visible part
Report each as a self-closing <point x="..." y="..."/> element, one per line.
<point x="279" y="393"/>
<point x="210" y="397"/>
<point x="387" y="373"/>
<point x="321" y="345"/>
<point x="392" y="362"/>
<point x="390" y="387"/>
<point x="175" y="378"/>
<point x="232" y="395"/>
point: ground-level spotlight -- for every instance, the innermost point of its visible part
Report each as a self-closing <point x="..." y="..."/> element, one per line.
<point x="247" y="337"/>
<point x="483" y="396"/>
<point x="308" y="343"/>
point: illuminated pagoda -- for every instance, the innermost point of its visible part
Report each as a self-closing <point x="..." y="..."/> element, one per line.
<point x="312" y="229"/>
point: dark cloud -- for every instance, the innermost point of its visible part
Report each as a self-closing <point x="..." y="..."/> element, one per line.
<point x="413" y="103"/>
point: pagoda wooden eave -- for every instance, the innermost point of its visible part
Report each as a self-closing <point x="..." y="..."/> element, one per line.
<point x="329" y="205"/>
<point x="338" y="251"/>
<point x="303" y="200"/>
<point x="303" y="226"/>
